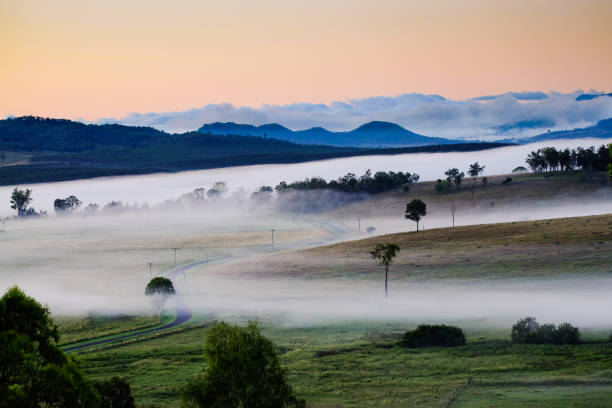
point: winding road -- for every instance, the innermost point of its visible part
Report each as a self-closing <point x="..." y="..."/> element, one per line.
<point x="183" y="311"/>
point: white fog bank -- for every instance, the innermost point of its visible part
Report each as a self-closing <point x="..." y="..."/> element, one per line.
<point x="156" y="188"/>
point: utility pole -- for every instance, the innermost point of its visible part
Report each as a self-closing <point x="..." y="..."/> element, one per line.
<point x="150" y="270"/>
<point x="174" y="255"/>
<point x="359" y="221"/>
<point x="272" y="231"/>
<point x="452" y="210"/>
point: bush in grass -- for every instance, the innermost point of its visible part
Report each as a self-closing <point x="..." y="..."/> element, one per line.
<point x="568" y="334"/>
<point x="427" y="335"/>
<point x="528" y="331"/>
<point x="243" y="370"/>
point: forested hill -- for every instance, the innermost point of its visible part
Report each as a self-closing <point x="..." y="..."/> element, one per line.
<point x="60" y="149"/>
<point x="29" y="133"/>
<point x="372" y="134"/>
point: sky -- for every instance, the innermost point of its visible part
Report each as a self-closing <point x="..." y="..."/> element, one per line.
<point x="108" y="59"/>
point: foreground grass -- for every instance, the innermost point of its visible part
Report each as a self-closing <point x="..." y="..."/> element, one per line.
<point x="360" y="364"/>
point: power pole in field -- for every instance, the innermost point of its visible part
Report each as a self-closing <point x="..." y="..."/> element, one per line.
<point x="272" y="231"/>
<point x="174" y="255"/>
<point x="452" y="210"/>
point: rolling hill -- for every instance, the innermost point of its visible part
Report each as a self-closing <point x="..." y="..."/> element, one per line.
<point x="371" y="134"/>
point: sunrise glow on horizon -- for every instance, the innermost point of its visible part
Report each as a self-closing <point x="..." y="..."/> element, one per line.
<point x="90" y="60"/>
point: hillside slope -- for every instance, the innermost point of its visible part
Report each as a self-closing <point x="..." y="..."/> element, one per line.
<point x="371" y="134"/>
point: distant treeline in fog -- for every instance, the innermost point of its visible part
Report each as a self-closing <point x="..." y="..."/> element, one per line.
<point x="551" y="159"/>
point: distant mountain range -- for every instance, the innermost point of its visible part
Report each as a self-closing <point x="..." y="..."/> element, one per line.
<point x="386" y="134"/>
<point x="371" y="134"/>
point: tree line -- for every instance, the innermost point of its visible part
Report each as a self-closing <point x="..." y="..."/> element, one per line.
<point x="580" y="158"/>
<point x="380" y="182"/>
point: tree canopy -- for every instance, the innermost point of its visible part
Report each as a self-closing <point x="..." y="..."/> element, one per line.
<point x="20" y="200"/>
<point x="68" y="204"/>
<point x="416" y="209"/>
<point x="243" y="370"/>
<point x="160" y="286"/>
<point x="33" y="370"/>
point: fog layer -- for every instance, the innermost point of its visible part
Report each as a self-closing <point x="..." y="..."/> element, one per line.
<point x="157" y="188"/>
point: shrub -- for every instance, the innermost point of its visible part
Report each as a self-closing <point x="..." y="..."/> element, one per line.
<point x="434" y="336"/>
<point x="528" y="331"/>
<point x="442" y="186"/>
<point x="567" y="334"/>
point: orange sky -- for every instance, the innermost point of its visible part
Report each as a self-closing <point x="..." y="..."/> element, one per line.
<point x="93" y="59"/>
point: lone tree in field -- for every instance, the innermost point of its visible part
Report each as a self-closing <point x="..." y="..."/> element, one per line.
<point x="20" y="200"/>
<point x="243" y="370"/>
<point x="158" y="290"/>
<point x="415" y="210"/>
<point x="385" y="253"/>
<point x="160" y="286"/>
<point x="475" y="170"/>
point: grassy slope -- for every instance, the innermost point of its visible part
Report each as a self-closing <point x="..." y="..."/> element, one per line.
<point x="474" y="196"/>
<point x="556" y="247"/>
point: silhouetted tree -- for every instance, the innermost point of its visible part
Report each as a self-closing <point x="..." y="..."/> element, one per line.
<point x="20" y="200"/>
<point x="160" y="286"/>
<point x="33" y="370"/>
<point x="415" y="210"/>
<point x="158" y="289"/>
<point x="243" y="370"/>
<point x="475" y="170"/>
<point x="68" y="204"/>
<point x="385" y="253"/>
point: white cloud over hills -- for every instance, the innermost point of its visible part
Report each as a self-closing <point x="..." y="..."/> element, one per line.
<point x="509" y="115"/>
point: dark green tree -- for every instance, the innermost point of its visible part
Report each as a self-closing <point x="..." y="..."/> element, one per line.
<point x="385" y="253"/>
<point x="475" y="170"/>
<point x="415" y="210"/>
<point x="243" y="370"/>
<point x="33" y="370"/>
<point x="115" y="393"/>
<point x="20" y="200"/>
<point x="158" y="289"/>
<point x="65" y="205"/>
<point x="160" y="286"/>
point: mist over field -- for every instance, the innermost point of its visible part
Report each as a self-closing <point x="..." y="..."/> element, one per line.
<point x="156" y="188"/>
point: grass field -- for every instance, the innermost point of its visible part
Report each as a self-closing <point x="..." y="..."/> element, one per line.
<point x="359" y="364"/>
